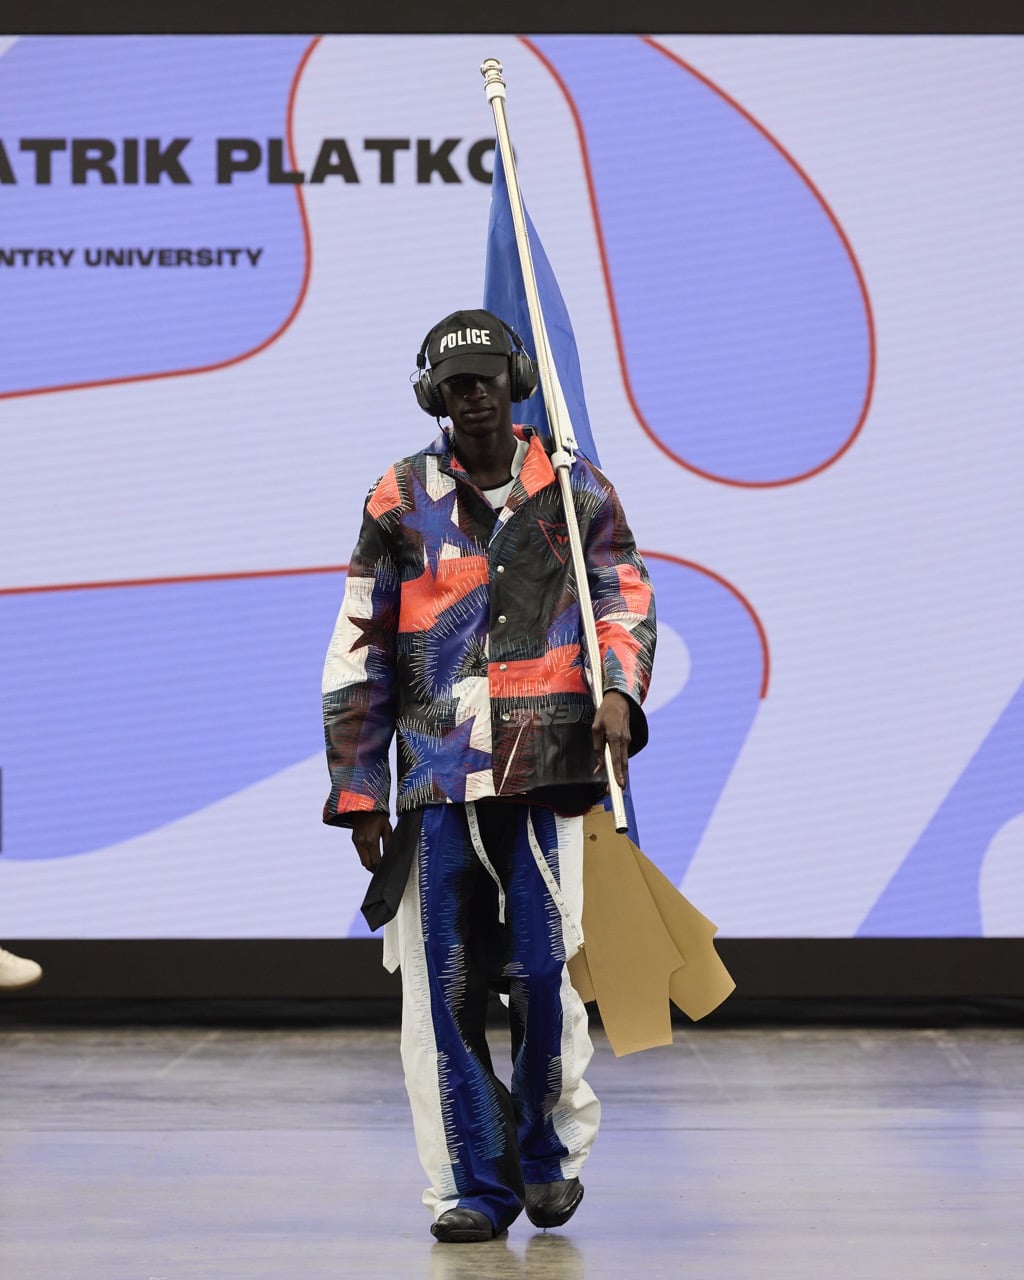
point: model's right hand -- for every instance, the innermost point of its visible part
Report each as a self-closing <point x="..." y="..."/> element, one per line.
<point x="369" y="831"/>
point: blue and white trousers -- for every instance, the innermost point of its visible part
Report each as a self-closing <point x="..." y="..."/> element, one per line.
<point x="493" y="903"/>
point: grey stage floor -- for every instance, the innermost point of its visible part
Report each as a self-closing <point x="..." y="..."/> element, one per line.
<point x="162" y="1154"/>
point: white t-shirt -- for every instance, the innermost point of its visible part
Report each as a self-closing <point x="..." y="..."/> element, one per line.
<point x="497" y="496"/>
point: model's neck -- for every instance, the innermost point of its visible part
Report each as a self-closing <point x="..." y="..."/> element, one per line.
<point x="487" y="460"/>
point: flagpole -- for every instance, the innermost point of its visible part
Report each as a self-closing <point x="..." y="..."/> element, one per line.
<point x="554" y="403"/>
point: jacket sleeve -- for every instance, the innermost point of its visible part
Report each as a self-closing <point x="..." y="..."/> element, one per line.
<point x="623" y="599"/>
<point x="359" y="688"/>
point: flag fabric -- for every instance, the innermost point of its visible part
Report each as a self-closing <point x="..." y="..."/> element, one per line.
<point x="505" y="296"/>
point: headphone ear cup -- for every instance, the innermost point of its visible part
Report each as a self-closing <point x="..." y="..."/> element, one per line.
<point x="522" y="376"/>
<point x="428" y="397"/>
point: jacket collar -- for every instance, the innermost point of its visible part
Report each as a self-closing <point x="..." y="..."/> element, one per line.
<point x="536" y="471"/>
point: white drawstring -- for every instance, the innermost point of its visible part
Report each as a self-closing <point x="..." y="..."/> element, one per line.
<point x="481" y="853"/>
<point x="553" y="888"/>
<point x="547" y="875"/>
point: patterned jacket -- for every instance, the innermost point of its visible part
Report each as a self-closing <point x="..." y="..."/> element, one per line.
<point x="460" y="630"/>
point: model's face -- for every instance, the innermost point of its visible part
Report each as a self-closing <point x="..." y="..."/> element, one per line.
<point x="478" y="406"/>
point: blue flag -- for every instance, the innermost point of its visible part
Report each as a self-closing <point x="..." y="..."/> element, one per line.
<point x="505" y="296"/>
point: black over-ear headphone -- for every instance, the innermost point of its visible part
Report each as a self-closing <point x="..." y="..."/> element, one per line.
<point x="522" y="376"/>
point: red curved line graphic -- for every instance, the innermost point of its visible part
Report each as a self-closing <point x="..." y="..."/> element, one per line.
<point x="609" y="290"/>
<point x="717" y="577"/>
<point x="171" y="581"/>
<point x="245" y="355"/>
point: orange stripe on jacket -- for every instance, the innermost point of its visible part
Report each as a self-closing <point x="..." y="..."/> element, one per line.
<point x="352" y="801"/>
<point x="635" y="592"/>
<point x="425" y="598"/>
<point x="613" y="636"/>
<point x="386" y="496"/>
<point x="558" y="671"/>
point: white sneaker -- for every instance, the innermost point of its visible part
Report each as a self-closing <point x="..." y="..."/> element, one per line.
<point x="16" y="971"/>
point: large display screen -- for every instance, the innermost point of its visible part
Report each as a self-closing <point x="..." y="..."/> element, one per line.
<point x="794" y="270"/>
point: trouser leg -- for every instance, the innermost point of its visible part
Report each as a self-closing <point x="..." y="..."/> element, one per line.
<point x="451" y="947"/>
<point x="557" y="1112"/>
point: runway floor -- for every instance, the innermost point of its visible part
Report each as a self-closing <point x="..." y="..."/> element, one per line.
<point x="287" y="1154"/>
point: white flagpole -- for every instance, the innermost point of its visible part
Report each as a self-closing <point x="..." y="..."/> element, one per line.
<point x="554" y="403"/>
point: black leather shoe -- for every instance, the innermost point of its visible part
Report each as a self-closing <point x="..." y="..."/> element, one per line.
<point x="550" y="1204"/>
<point x="462" y="1226"/>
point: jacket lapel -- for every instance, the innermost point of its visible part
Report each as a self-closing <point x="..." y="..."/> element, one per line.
<point x="536" y="474"/>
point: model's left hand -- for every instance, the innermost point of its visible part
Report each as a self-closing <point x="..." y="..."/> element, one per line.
<point x="611" y="726"/>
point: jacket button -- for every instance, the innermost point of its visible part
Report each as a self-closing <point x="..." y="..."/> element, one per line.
<point x="503" y="667"/>
<point x="502" y="618"/>
<point x="500" y="568"/>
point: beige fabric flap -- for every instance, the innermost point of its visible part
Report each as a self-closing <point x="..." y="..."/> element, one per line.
<point x="644" y="944"/>
<point x="704" y="981"/>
